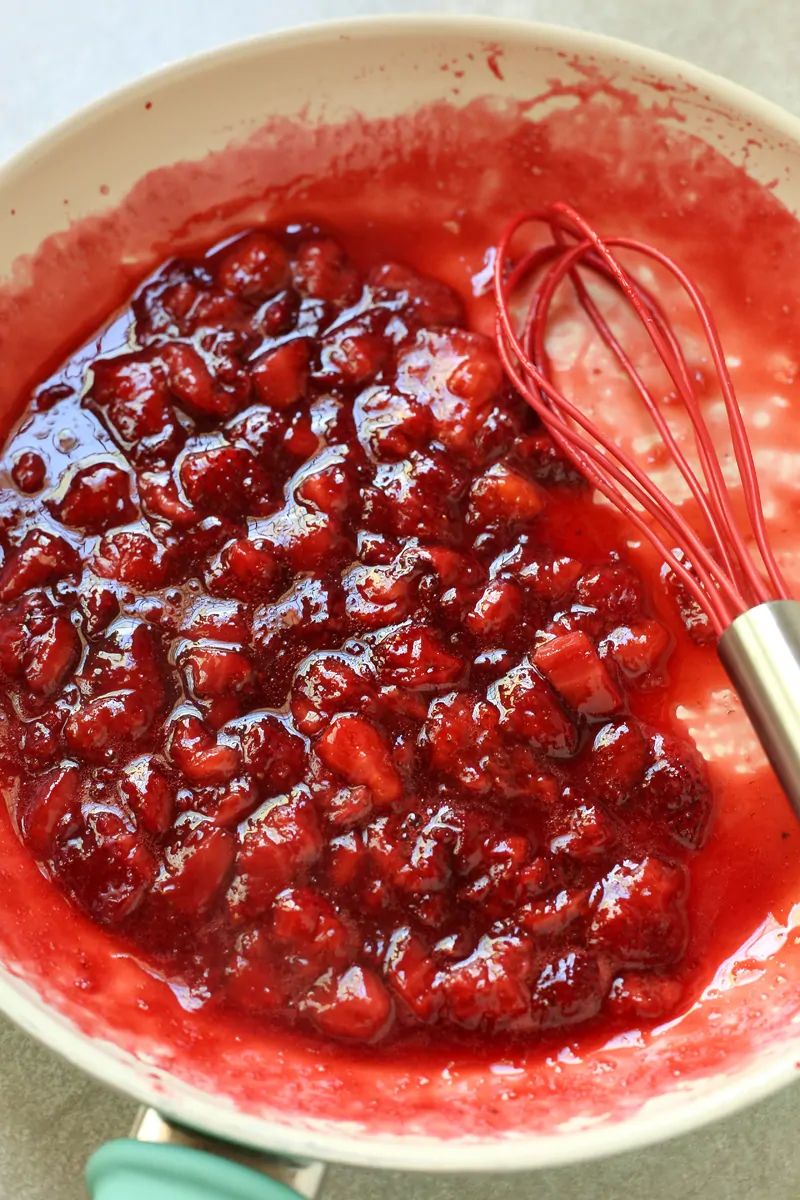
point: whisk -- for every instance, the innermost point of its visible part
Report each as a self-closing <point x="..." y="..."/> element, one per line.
<point x="733" y="577"/>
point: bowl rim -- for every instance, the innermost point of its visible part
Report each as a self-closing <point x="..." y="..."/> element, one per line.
<point x="106" y="1063"/>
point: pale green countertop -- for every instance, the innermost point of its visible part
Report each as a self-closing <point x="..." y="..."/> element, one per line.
<point x="54" y="57"/>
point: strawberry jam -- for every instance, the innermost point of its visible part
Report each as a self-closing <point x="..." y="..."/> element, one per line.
<point x="327" y="684"/>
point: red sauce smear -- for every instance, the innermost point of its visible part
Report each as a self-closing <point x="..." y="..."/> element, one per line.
<point x="458" y="190"/>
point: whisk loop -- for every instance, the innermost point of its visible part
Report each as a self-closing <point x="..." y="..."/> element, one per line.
<point x="725" y="579"/>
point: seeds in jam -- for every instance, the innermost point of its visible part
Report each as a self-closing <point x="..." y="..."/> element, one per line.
<point x="308" y="694"/>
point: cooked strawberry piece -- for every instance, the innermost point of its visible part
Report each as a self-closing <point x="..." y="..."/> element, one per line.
<point x="217" y="671"/>
<point x="190" y="552"/>
<point x="553" y="916"/>
<point x="278" y="315"/>
<point x="191" y="383"/>
<point x="14" y="637"/>
<point x="326" y="486"/>
<point x="198" y="859"/>
<point x="618" y="762"/>
<point x="40" y="559"/>
<point x="502" y="496"/>
<point x="51" y="656"/>
<point x="135" y="559"/>
<point x="536" y="877"/>
<point x="575" y="670"/>
<point x="99" y="605"/>
<point x="255" y="266"/>
<point x="277" y="845"/>
<point x="569" y="990"/>
<point x="159" y="498"/>
<point x="131" y="391"/>
<point x="280" y="376"/>
<point x="101" y="726"/>
<point x="308" y="614"/>
<point x="52" y="810"/>
<point x="229" y="803"/>
<point x="578" y="618"/>
<point x="462" y="739"/>
<point x="145" y="789"/>
<point x="219" y="620"/>
<point x="415" y="858"/>
<point x="245" y="567"/>
<point x="222" y="479"/>
<point x="676" y="788"/>
<point x="374" y="549"/>
<point x="47" y="397"/>
<point x="425" y="301"/>
<point x="202" y="758"/>
<point x="226" y="352"/>
<point x="616" y="591"/>
<point x="590" y="833"/>
<point x="353" y="354"/>
<point x="530" y="709"/>
<point x="639" y="648"/>
<point x="416" y="657"/>
<point x="418" y="497"/>
<point x="41" y="739"/>
<point x="255" y="979"/>
<point x="451" y="568"/>
<point x="381" y="595"/>
<point x="29" y="471"/>
<point x="212" y="308"/>
<point x="497" y="610"/>
<point x="495" y="883"/>
<point x="321" y="270"/>
<point x="345" y="860"/>
<point x="551" y="580"/>
<point x="264" y="432"/>
<point x="635" y="997"/>
<point x="359" y="752"/>
<point x="324" y="685"/>
<point x="299" y="441"/>
<point x="542" y="575"/>
<point x="273" y="755"/>
<point x="36" y="609"/>
<point x="106" y="866"/>
<point x="489" y="989"/>
<point x="546" y="461"/>
<point x="518" y="774"/>
<point x="376" y="897"/>
<point x="459" y="375"/>
<point x="640" y="914"/>
<point x="316" y="936"/>
<point x="354" y="1006"/>
<point x="164" y="303"/>
<point x="303" y="539"/>
<point x="349" y="806"/>
<point x="410" y="973"/>
<point x="166" y="310"/>
<point x="219" y="711"/>
<point x="404" y="703"/>
<point x="129" y="656"/>
<point x="390" y="426"/>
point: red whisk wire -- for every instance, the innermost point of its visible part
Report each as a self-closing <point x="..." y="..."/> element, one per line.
<point x="724" y="580"/>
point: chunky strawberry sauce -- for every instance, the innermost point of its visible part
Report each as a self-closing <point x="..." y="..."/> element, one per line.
<point x="328" y="685"/>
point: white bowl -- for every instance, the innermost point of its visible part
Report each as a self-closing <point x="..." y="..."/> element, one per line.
<point x="71" y="252"/>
